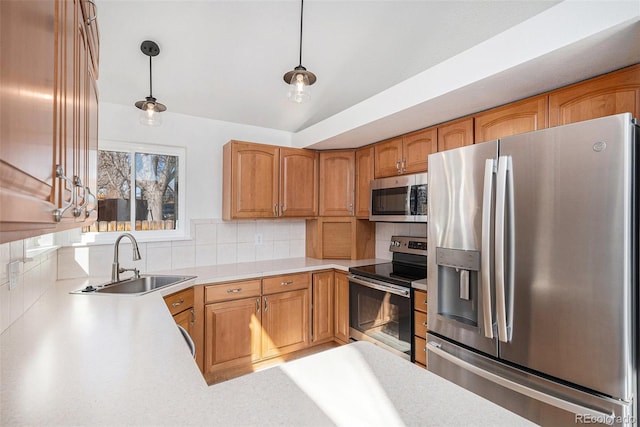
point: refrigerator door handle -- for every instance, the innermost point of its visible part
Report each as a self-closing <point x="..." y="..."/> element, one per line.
<point x="485" y="253"/>
<point x="608" y="418"/>
<point x="500" y="256"/>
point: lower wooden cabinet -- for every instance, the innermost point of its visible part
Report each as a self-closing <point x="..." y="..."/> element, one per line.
<point x="259" y="323"/>
<point x="341" y="307"/>
<point x="232" y="334"/>
<point x="183" y="307"/>
<point x="322" y="301"/>
<point x="251" y="321"/>
<point x="285" y="322"/>
<point x="420" y="327"/>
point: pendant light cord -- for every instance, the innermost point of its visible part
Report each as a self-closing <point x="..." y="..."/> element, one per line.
<point x="150" y="77"/>
<point x="301" y="11"/>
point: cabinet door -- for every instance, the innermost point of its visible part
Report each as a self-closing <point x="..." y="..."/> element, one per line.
<point x="455" y="134"/>
<point x="251" y="180"/>
<point x="337" y="183"/>
<point x="416" y="146"/>
<point x="232" y="334"/>
<point x="613" y="93"/>
<point x="364" y="175"/>
<point x="388" y="155"/>
<point x="322" y="305"/>
<point x="341" y="299"/>
<point x="520" y="117"/>
<point x="285" y="322"/>
<point x="298" y="182"/>
<point x="186" y="320"/>
<point x="27" y="135"/>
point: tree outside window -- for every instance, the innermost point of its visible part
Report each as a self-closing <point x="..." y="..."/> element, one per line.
<point x="154" y="191"/>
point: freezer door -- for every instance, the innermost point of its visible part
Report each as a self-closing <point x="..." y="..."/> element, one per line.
<point x="460" y="295"/>
<point x="533" y="397"/>
<point x="571" y="315"/>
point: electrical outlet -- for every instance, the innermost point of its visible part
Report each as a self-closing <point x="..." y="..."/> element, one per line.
<point x="258" y="238"/>
<point x="13" y="270"/>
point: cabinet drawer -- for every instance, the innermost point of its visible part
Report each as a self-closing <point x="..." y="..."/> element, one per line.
<point x="179" y="301"/>
<point x="230" y="291"/>
<point x="289" y="282"/>
<point x="420" y="301"/>
<point x="420" y="323"/>
<point x="421" y="350"/>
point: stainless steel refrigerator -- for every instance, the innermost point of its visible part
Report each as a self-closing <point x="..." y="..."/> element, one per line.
<point x="533" y="271"/>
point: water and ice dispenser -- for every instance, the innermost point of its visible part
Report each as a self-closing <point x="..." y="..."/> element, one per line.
<point x="458" y="284"/>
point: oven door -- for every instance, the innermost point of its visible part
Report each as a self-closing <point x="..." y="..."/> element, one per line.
<point x="380" y="312"/>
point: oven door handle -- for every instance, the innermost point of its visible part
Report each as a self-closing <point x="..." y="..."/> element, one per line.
<point x="397" y="290"/>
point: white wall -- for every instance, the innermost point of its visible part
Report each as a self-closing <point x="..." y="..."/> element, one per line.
<point x="203" y="139"/>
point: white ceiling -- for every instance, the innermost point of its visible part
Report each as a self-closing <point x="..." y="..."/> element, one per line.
<point x="225" y="60"/>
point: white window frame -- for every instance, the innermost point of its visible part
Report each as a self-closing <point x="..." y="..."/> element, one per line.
<point x="181" y="232"/>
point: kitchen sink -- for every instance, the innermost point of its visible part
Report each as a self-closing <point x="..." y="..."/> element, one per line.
<point x="135" y="285"/>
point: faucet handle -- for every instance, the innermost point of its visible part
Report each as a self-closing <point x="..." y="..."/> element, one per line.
<point x="136" y="272"/>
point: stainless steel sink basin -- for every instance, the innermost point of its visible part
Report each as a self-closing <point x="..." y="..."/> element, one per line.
<point x="136" y="286"/>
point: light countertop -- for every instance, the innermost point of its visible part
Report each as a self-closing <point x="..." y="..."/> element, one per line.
<point x="120" y="360"/>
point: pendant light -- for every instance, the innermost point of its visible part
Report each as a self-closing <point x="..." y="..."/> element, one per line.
<point x="299" y="79"/>
<point x="151" y="109"/>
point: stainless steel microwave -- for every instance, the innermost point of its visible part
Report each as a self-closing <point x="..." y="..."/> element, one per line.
<point x="399" y="199"/>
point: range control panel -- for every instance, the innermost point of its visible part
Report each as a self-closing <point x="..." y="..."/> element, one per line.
<point x="409" y="245"/>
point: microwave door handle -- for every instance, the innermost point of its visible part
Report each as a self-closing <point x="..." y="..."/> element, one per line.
<point x="485" y="253"/>
<point x="500" y="261"/>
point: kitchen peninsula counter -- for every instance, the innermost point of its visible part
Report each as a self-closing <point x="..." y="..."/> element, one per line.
<point x="120" y="360"/>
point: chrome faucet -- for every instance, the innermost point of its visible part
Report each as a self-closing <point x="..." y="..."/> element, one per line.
<point x="115" y="267"/>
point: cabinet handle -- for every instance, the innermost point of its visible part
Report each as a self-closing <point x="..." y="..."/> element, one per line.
<point x="95" y="13"/>
<point x="57" y="213"/>
<point x="424" y="324"/>
<point x="351" y="208"/>
<point x="257" y="305"/>
<point x="193" y="316"/>
<point x="404" y="165"/>
<point x="283" y="208"/>
<point x="398" y="165"/>
<point x="176" y="304"/>
<point x="266" y="307"/>
<point x="234" y="291"/>
<point x="288" y="282"/>
<point x="425" y="302"/>
<point x="87" y="211"/>
<point x="275" y="209"/>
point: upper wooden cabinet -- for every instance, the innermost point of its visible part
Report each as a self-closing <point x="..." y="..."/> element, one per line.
<point x="613" y="93"/>
<point x="298" y="182"/>
<point x="337" y="182"/>
<point x="48" y="118"/>
<point x="416" y="147"/>
<point x="364" y="174"/>
<point x="455" y="134"/>
<point x="404" y="154"/>
<point x="519" y="117"/>
<point x="264" y="181"/>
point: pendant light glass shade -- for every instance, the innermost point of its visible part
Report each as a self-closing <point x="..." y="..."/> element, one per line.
<point x="149" y="115"/>
<point x="299" y="79"/>
<point x="151" y="109"/>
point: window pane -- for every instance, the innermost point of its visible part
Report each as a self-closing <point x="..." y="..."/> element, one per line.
<point x="156" y="191"/>
<point x="114" y="189"/>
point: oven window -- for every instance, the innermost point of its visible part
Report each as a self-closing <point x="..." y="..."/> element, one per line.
<point x="389" y="201"/>
<point x="381" y="316"/>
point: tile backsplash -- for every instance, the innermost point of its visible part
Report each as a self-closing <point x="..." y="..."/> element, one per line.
<point x="211" y="242"/>
<point x="37" y="273"/>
